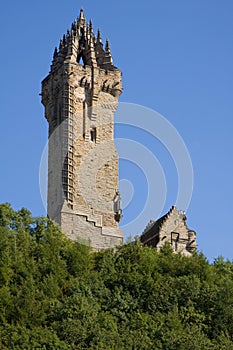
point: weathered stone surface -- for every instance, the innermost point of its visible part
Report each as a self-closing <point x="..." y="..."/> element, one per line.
<point x="170" y="228"/>
<point x="80" y="100"/>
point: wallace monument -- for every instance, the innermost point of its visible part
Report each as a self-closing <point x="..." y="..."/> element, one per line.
<point x="80" y="95"/>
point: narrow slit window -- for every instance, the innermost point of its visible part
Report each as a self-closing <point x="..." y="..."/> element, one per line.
<point x="174" y="245"/>
<point x="174" y="240"/>
<point x="93" y="134"/>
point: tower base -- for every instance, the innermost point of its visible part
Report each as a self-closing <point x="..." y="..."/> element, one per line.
<point x="88" y="230"/>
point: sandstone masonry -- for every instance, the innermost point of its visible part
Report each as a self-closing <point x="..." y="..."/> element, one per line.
<point x="80" y="96"/>
<point x="171" y="228"/>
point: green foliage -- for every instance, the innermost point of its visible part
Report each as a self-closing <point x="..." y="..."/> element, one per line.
<point x="57" y="294"/>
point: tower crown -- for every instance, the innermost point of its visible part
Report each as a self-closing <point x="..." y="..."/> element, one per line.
<point x="80" y="43"/>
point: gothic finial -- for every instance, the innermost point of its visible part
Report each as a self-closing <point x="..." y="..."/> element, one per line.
<point x="108" y="56"/>
<point x="61" y="44"/>
<point x="107" y="46"/>
<point x="81" y="15"/>
<point x="99" y="39"/>
<point x="90" y="25"/>
<point x="74" y="27"/>
<point x="55" y="53"/>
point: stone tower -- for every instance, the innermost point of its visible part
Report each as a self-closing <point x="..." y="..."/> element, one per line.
<point x="80" y="96"/>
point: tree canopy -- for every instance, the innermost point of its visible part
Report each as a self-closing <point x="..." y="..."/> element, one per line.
<point x="58" y="294"/>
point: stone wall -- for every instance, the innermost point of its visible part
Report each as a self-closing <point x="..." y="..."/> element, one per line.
<point x="170" y="228"/>
<point x="80" y="101"/>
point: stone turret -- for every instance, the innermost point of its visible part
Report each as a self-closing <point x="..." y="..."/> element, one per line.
<point x="80" y="96"/>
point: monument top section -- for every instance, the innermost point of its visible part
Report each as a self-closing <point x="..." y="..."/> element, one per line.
<point x="81" y="45"/>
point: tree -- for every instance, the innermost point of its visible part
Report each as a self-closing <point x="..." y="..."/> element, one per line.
<point x="57" y="294"/>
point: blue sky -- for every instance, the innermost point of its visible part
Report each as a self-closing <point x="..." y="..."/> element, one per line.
<point x="176" y="58"/>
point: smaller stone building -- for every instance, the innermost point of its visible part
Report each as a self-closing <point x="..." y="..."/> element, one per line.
<point x="170" y="228"/>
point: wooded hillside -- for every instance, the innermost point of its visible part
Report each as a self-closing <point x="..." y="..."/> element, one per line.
<point x="57" y="294"/>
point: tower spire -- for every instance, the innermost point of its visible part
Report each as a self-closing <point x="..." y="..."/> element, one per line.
<point x="107" y="56"/>
<point x="107" y="47"/>
<point x="99" y="39"/>
<point x="55" y="53"/>
<point x="81" y="15"/>
<point x="90" y="25"/>
<point x="89" y="30"/>
<point x="81" y="19"/>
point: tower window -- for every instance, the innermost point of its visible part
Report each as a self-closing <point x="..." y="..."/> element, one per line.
<point x="93" y="134"/>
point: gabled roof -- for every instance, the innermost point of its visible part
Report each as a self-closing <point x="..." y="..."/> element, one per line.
<point x="153" y="228"/>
